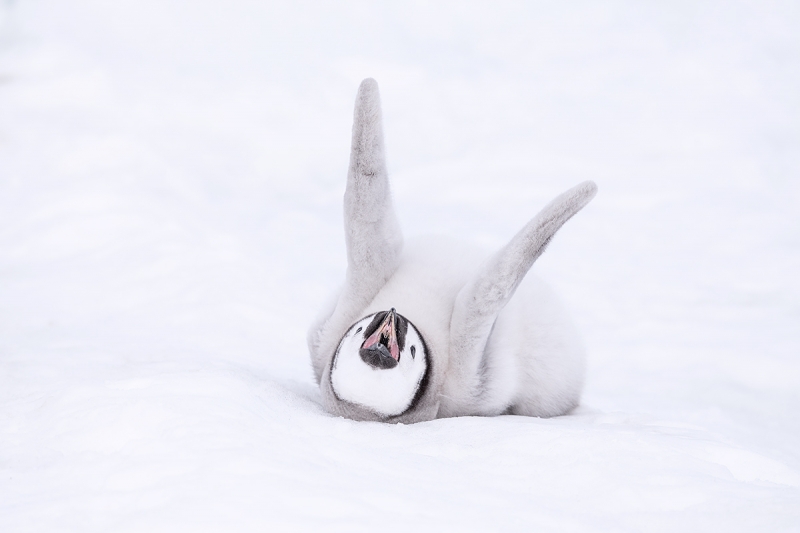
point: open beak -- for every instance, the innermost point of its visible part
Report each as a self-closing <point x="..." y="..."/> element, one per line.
<point x="381" y="348"/>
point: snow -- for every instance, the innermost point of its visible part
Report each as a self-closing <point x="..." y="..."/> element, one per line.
<point x="171" y="177"/>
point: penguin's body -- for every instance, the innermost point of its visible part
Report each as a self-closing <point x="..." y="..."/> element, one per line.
<point x="435" y="328"/>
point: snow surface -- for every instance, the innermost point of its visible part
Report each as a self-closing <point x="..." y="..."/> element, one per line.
<point x="171" y="177"/>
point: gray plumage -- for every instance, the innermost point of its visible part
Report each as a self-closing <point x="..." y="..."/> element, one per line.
<point x="496" y="340"/>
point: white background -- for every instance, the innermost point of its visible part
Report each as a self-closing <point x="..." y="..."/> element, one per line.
<point x="171" y="177"/>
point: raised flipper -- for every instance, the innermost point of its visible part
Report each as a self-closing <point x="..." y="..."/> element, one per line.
<point x="372" y="233"/>
<point x="480" y="301"/>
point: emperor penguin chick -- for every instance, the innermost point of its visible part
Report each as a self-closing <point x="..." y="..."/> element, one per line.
<point x="434" y="328"/>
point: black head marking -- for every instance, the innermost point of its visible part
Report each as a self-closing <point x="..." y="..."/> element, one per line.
<point x="378" y="357"/>
<point x="401" y="327"/>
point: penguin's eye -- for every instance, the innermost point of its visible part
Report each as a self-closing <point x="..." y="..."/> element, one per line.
<point x="413" y="351"/>
<point x="359" y="329"/>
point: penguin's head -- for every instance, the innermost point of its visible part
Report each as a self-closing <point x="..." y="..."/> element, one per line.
<point x="381" y="364"/>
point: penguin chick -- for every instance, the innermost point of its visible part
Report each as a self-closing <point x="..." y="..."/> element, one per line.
<point x="435" y="328"/>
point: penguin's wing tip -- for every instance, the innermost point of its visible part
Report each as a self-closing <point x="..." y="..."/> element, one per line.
<point x="590" y="187"/>
<point x="572" y="201"/>
<point x="585" y="191"/>
<point x="368" y="90"/>
<point x="368" y="84"/>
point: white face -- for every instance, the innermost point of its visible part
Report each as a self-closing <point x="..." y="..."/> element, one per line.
<point x="380" y="363"/>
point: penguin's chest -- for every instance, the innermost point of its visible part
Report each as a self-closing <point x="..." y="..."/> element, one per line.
<point x="424" y="288"/>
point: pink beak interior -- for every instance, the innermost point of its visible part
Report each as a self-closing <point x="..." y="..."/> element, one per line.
<point x="386" y="332"/>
